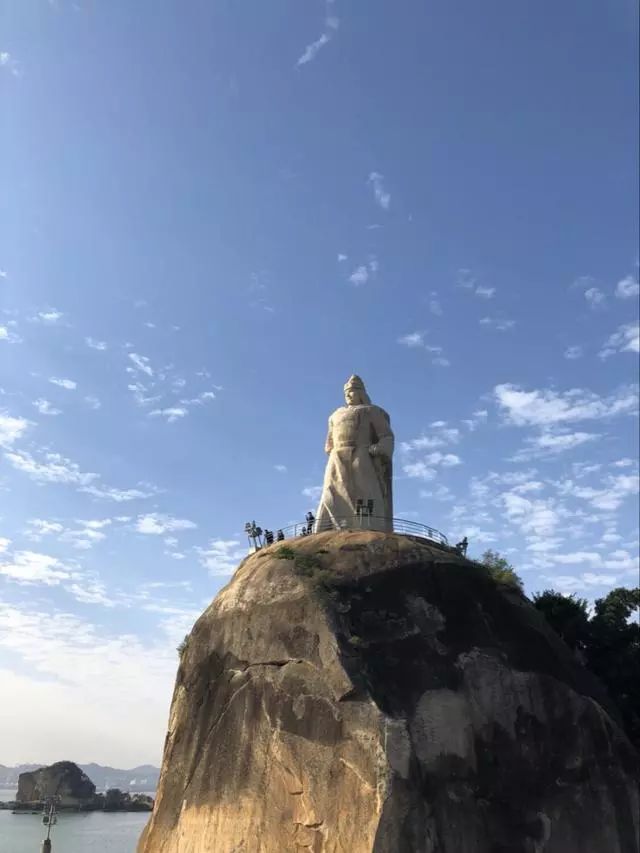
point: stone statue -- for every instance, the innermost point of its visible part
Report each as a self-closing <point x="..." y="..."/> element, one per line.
<point x="360" y="447"/>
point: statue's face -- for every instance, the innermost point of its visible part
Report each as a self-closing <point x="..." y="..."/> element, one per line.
<point x="353" y="397"/>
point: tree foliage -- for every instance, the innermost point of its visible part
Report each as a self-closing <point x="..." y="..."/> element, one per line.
<point x="608" y="642"/>
<point x="501" y="569"/>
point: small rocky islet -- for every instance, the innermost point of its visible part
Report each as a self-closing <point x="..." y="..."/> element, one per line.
<point x="72" y="790"/>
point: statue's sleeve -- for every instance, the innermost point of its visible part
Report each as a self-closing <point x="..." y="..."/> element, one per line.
<point x="384" y="435"/>
<point x="328" y="445"/>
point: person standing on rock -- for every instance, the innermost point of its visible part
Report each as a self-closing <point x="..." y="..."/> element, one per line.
<point x="360" y="448"/>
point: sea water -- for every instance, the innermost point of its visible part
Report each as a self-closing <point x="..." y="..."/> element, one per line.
<point x="75" y="832"/>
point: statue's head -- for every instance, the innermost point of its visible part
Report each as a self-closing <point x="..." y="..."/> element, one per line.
<point x="355" y="393"/>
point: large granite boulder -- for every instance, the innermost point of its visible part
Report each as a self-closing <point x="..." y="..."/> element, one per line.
<point x="355" y="692"/>
<point x="64" y="780"/>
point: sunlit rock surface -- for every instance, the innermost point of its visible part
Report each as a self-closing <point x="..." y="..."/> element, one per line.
<point x="358" y="692"/>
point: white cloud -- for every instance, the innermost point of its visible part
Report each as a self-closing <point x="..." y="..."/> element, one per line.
<point x="574" y="352"/>
<point x="359" y="276"/>
<point x="45" y="407"/>
<point x="546" y="407"/>
<point x="54" y="469"/>
<point x="549" y="443"/>
<point x="12" y="65"/>
<point x="342" y="257"/>
<point x="571" y="583"/>
<point x="50" y="317"/>
<point x="67" y="384"/>
<point x="312" y="492"/>
<point x="40" y="527"/>
<point x="282" y="469"/>
<point x="539" y="517"/>
<point x="465" y="279"/>
<point x="29" y="567"/>
<point x="382" y="197"/>
<point x="222" y="556"/>
<point x="200" y="400"/>
<point x="94" y="344"/>
<point x="311" y="50"/>
<point x="141" y="362"/>
<point x="419" y="470"/>
<point x="500" y="323"/>
<point x="486" y="292"/>
<point x="413" y="339"/>
<point x="610" y="496"/>
<point x="623" y="463"/>
<point x="92" y="402"/>
<point x="447" y="460"/>
<point x="171" y="414"/>
<point x="625" y="339"/>
<point x="11" y="429"/>
<point x="118" y="495"/>
<point x="442" y="435"/>
<point x="595" y="297"/>
<point x="9" y="336"/>
<point x="158" y="524"/>
<point x="434" y="305"/>
<point x="627" y="288"/>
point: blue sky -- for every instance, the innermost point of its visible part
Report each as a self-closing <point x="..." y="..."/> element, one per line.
<point x="213" y="213"/>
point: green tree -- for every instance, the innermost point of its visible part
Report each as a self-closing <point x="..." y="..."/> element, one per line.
<point x="567" y="615"/>
<point x="501" y="569"/>
<point x="609" y="643"/>
<point x="114" y="800"/>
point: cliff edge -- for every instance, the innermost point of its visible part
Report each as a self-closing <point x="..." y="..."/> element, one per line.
<point x="355" y="692"/>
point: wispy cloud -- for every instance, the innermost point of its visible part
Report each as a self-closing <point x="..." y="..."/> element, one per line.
<point x="595" y="298"/>
<point x="416" y="340"/>
<point x="546" y="407"/>
<point x="50" y="317"/>
<point x="11" y="428"/>
<point x="485" y="292"/>
<point x="382" y="197"/>
<point x="625" y="339"/>
<point x="627" y="288"/>
<point x="9" y="336"/>
<point x="45" y="407"/>
<point x="222" y="556"/>
<point x="29" y="567"/>
<point x="312" y="492"/>
<point x="94" y="344"/>
<point x="158" y="524"/>
<point x="171" y="414"/>
<point x="434" y="305"/>
<point x="502" y="324"/>
<point x="67" y="384"/>
<point x="359" y="276"/>
<point x="550" y="443"/>
<point x="141" y="363"/>
<point x="331" y="24"/>
<point x="10" y="64"/>
<point x="574" y="352"/>
<point x="281" y="469"/>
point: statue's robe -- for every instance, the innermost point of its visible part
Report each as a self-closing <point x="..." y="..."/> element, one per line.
<point x="353" y="473"/>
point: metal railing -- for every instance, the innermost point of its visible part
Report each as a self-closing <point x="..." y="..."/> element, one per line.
<point x="359" y="522"/>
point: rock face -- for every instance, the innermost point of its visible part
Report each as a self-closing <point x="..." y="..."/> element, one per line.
<point x="357" y="692"/>
<point x="63" y="779"/>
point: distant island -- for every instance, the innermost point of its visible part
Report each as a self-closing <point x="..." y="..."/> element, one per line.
<point x="143" y="778"/>
<point x="72" y="790"/>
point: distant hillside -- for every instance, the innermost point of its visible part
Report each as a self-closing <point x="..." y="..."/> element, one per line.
<point x="143" y="778"/>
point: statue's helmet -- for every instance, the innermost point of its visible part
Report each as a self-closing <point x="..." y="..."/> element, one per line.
<point x="355" y="383"/>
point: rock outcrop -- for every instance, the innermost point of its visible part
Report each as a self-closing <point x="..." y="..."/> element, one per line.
<point x="356" y="692"/>
<point x="64" y="780"/>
